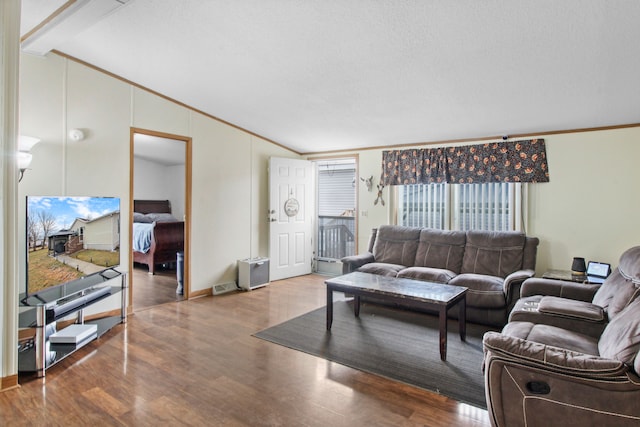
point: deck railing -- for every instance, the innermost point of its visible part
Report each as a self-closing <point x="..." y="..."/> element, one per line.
<point x="336" y="237"/>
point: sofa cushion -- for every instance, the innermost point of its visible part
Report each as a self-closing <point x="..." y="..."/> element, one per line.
<point x="396" y="245"/>
<point x="493" y="253"/>
<point x="553" y="336"/>
<point x="382" y="268"/>
<point x="427" y="274"/>
<point x="484" y="290"/>
<point x="441" y="249"/>
<point x="621" y="338"/>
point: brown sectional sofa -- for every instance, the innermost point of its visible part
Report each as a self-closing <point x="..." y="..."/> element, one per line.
<point x="493" y="265"/>
<point x="570" y="354"/>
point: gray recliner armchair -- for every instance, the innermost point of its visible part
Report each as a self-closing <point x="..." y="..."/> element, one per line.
<point x="554" y="367"/>
<point x="584" y="308"/>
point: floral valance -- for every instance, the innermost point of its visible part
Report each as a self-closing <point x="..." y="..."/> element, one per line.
<point x="509" y="161"/>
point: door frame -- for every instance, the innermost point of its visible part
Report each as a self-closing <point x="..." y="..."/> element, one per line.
<point x="187" y="207"/>
<point x="315" y="160"/>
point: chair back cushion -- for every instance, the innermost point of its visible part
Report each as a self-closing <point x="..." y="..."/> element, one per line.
<point x="441" y="249"/>
<point x="622" y="286"/>
<point x="372" y="240"/>
<point x="621" y="338"/>
<point x="496" y="253"/>
<point x="530" y="253"/>
<point x="396" y="244"/>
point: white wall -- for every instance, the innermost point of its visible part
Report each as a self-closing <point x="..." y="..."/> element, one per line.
<point x="154" y="181"/>
<point x="174" y="187"/>
<point x="588" y="208"/>
<point x="228" y="173"/>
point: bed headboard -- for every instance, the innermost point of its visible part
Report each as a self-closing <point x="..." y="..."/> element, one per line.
<point x="152" y="206"/>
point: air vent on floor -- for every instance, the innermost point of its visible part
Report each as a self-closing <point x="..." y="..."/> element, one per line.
<point x="223" y="288"/>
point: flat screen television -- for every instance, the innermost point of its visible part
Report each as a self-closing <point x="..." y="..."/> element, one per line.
<point x="69" y="238"/>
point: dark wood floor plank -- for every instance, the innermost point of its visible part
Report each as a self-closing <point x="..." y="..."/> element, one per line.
<point x="196" y="363"/>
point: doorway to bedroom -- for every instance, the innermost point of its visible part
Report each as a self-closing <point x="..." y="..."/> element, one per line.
<point x="160" y="211"/>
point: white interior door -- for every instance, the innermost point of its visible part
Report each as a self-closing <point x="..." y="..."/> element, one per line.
<point x="291" y="217"/>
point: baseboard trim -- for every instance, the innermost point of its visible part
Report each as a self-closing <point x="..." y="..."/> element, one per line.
<point x="8" y="383"/>
<point x="201" y="293"/>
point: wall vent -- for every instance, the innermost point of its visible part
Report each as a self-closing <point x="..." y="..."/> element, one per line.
<point x="223" y="288"/>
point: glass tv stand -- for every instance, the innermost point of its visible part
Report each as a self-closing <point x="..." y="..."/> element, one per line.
<point x="39" y="314"/>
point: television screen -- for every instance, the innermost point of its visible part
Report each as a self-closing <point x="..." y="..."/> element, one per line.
<point x="69" y="238"/>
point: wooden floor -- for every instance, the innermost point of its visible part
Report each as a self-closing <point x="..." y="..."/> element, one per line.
<point x="196" y="363"/>
<point x="150" y="290"/>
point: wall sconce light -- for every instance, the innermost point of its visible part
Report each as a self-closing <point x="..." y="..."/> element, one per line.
<point x="25" y="143"/>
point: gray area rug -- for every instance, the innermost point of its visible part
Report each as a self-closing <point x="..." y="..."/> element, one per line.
<point x="397" y="344"/>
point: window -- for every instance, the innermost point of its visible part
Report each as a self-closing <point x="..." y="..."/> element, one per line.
<point x="424" y="205"/>
<point x="487" y="206"/>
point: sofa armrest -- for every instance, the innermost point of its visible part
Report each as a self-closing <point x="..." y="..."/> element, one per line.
<point x="572" y="309"/>
<point x="551" y="358"/>
<point x="558" y="288"/>
<point x="353" y="262"/>
<point x="512" y="284"/>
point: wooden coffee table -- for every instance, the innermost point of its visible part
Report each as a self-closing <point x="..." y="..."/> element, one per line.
<point x="407" y="292"/>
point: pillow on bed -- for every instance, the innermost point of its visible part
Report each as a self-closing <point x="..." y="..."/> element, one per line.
<point x="161" y="217"/>
<point x="140" y="217"/>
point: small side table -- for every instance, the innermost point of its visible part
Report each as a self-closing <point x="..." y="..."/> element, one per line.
<point x="566" y="275"/>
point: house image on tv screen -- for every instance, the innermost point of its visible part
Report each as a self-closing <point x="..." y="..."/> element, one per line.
<point x="102" y="233"/>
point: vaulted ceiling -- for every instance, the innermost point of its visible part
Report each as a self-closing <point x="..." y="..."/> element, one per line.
<point x="322" y="75"/>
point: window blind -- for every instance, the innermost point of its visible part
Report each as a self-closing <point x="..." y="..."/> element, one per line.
<point x="489" y="206"/>
<point x="424" y="205"/>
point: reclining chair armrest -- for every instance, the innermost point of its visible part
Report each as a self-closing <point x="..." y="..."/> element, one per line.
<point x="541" y="356"/>
<point x="558" y="288"/>
<point x="512" y="284"/>
<point x="353" y="262"/>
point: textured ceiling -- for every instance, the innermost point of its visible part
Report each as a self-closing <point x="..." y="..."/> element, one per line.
<point x="321" y="75"/>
